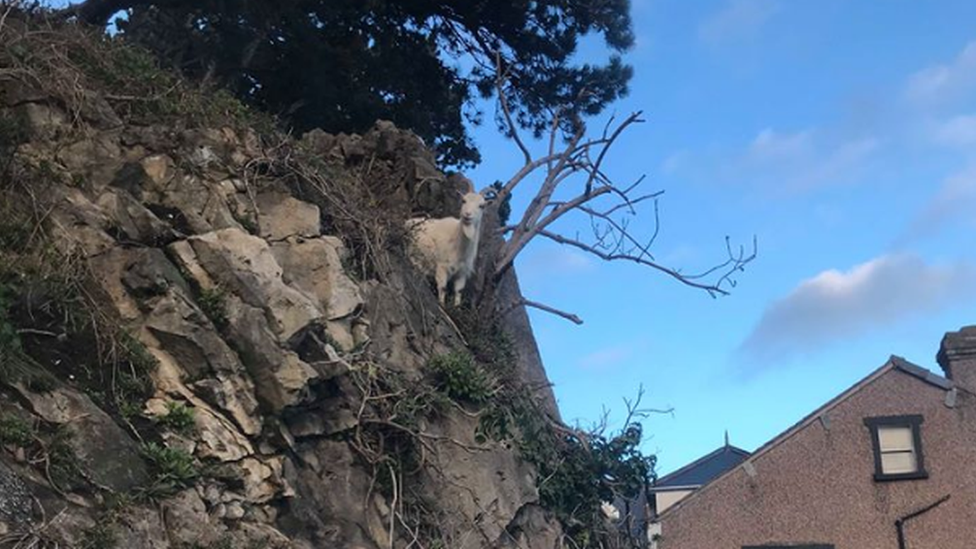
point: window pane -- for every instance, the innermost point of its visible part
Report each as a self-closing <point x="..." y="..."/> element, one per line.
<point x="896" y="438"/>
<point x="899" y="462"/>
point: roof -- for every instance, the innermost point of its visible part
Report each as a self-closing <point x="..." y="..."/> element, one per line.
<point x="894" y="363"/>
<point x="702" y="470"/>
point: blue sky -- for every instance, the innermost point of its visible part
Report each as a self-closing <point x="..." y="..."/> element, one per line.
<point x="843" y="135"/>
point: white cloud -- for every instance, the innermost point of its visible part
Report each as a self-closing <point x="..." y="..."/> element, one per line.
<point x="958" y="131"/>
<point x="548" y="261"/>
<point x="942" y="83"/>
<point x="739" y="19"/>
<point x="956" y="198"/>
<point x="837" y="305"/>
<point x="674" y="162"/>
<point x="607" y="358"/>
<point x="804" y="160"/>
<point x="771" y="145"/>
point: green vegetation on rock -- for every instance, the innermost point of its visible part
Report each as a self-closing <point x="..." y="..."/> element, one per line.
<point x="173" y="469"/>
<point x="461" y="378"/>
<point x="179" y="418"/>
<point x="15" y="431"/>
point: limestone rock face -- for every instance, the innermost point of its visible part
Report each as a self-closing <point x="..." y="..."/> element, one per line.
<point x="144" y="529"/>
<point x="42" y="121"/>
<point x="16" y="500"/>
<point x="188" y="522"/>
<point x="134" y="220"/>
<point x="315" y="266"/>
<point x="532" y="528"/>
<point x="491" y="483"/>
<point x="237" y="282"/>
<point x="281" y="377"/>
<point x="105" y="452"/>
<point x="185" y="333"/>
<point x="244" y="265"/>
<point x="280" y="216"/>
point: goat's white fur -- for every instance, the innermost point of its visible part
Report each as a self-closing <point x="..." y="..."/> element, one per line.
<point x="448" y="246"/>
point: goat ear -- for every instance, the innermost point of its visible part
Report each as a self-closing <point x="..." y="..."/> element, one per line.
<point x="489" y="193"/>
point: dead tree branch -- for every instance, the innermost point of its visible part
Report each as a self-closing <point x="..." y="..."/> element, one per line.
<point x="574" y="166"/>
<point x="542" y="307"/>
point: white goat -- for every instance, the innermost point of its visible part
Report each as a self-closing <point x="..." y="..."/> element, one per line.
<point x="448" y="246"/>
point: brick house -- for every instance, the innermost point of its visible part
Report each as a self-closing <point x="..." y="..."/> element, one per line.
<point x="888" y="464"/>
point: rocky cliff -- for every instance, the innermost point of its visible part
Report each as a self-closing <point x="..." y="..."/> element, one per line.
<point x="209" y="336"/>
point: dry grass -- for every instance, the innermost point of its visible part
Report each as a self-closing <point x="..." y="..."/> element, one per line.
<point x="81" y="69"/>
<point x="54" y="304"/>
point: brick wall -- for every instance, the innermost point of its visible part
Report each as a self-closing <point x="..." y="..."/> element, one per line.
<point x="817" y="485"/>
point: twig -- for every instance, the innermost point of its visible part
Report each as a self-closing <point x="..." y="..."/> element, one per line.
<point x="552" y="310"/>
<point x="393" y="505"/>
<point x="500" y="79"/>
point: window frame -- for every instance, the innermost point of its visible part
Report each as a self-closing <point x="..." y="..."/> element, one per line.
<point x="913" y="422"/>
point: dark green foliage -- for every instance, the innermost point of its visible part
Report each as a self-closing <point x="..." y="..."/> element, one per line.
<point x="149" y="94"/>
<point x="342" y="64"/>
<point x="132" y="381"/>
<point x="179" y="418"/>
<point x="15" y="431"/>
<point x="577" y="470"/>
<point x="9" y="339"/>
<point x="173" y="469"/>
<point x="15" y="365"/>
<point x="457" y="375"/>
<point x="582" y="471"/>
<point x="213" y="303"/>
<point x="69" y="63"/>
<point x="62" y="461"/>
<point x="52" y="326"/>
<point x="103" y="535"/>
<point x="225" y="542"/>
<point x="12" y="134"/>
<point x="505" y="208"/>
<point x="487" y="342"/>
<point x="13" y="236"/>
<point x="48" y="447"/>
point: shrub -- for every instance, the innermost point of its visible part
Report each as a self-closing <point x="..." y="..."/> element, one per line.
<point x="9" y="339"/>
<point x="173" y="469"/>
<point x="63" y="463"/>
<point x="102" y="535"/>
<point x="179" y="418"/>
<point x="16" y="431"/>
<point x="457" y="375"/>
<point x="213" y="303"/>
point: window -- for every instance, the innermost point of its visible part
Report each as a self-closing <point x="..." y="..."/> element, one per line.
<point x="897" y="442"/>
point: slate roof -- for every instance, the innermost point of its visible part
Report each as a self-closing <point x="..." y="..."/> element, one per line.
<point x="702" y="470"/>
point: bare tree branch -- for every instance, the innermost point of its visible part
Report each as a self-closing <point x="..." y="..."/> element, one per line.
<point x="543" y="307"/>
<point x="731" y="265"/>
<point x="574" y="165"/>
<point x="501" y="78"/>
